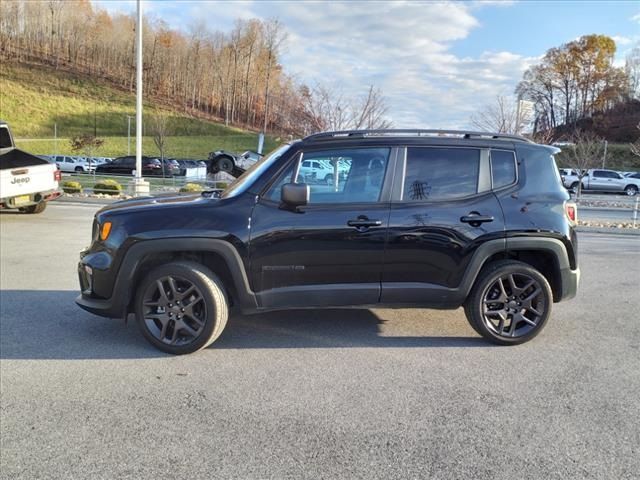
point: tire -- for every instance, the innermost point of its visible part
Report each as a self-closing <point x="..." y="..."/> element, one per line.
<point x="574" y="186"/>
<point x="631" y="190"/>
<point x="79" y="170"/>
<point x="524" y="290"/>
<point x="37" y="208"/>
<point x="329" y="179"/>
<point x="225" y="164"/>
<point x="208" y="313"/>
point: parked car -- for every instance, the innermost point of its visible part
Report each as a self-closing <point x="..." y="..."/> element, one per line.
<point x="568" y="176"/>
<point x="232" y="163"/>
<point x="435" y="219"/>
<point x="171" y="167"/>
<point x="101" y="160"/>
<point x="185" y="164"/>
<point x="600" y="180"/>
<point x="75" y="164"/>
<point x="27" y="182"/>
<point x="314" y="171"/>
<point x="251" y="156"/>
<point x="151" y="167"/>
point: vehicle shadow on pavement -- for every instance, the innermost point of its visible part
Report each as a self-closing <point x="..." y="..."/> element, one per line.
<point x="349" y="328"/>
<point x="47" y="324"/>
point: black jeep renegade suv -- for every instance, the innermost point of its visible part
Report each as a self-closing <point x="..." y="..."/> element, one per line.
<point x="413" y="218"/>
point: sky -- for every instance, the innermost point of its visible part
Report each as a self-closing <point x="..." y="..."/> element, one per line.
<point x="437" y="63"/>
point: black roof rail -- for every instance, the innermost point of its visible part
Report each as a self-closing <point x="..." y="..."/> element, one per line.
<point x="414" y="133"/>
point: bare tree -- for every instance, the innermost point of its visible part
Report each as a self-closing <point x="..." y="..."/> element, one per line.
<point x="370" y="112"/>
<point x="586" y="153"/>
<point x="544" y="137"/>
<point x="499" y="117"/>
<point x="333" y="110"/>
<point x="160" y="131"/>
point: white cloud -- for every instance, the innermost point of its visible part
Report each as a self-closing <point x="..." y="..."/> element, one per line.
<point x="635" y="18"/>
<point x="621" y="40"/>
<point x="404" y="47"/>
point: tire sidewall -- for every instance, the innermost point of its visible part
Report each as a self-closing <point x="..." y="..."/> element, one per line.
<point x="179" y="270"/>
<point x="487" y="280"/>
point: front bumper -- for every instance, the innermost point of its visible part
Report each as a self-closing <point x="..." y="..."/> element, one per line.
<point x="91" y="273"/>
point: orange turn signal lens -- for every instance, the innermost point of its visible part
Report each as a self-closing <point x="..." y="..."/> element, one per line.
<point x="105" y="231"/>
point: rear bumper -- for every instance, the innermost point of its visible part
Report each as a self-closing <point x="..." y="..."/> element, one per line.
<point x="34" y="199"/>
<point x="569" y="281"/>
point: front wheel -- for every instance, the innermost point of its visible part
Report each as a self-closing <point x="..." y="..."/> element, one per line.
<point x="631" y="190"/>
<point x="510" y="303"/>
<point x="181" y="307"/>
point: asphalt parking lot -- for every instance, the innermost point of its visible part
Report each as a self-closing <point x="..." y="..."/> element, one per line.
<point x="312" y="394"/>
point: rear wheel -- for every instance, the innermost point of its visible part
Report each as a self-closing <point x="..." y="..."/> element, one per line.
<point x="631" y="190"/>
<point x="79" y="170"/>
<point x="37" y="208"/>
<point x="510" y="303"/>
<point x="181" y="307"/>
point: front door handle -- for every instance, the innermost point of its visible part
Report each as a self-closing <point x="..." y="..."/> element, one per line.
<point x="475" y="219"/>
<point x="364" y="222"/>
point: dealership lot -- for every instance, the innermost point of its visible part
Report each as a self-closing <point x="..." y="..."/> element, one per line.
<point x="307" y="394"/>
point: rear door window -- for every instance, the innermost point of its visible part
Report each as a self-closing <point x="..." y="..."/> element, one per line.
<point x="440" y="173"/>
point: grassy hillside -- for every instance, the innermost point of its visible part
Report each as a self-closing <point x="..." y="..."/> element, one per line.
<point x="33" y="99"/>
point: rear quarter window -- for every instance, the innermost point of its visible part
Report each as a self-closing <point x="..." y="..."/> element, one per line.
<point x="503" y="168"/>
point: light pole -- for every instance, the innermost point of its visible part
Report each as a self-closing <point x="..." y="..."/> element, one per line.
<point x="129" y="134"/>
<point x="139" y="93"/>
<point x="140" y="187"/>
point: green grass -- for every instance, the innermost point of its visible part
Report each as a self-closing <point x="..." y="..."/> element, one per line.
<point x="176" y="147"/>
<point x="34" y="99"/>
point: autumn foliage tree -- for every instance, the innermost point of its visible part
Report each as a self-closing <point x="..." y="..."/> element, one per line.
<point x="574" y="81"/>
<point x="236" y="76"/>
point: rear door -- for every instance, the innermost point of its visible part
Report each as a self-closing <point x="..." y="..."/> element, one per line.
<point x="330" y="251"/>
<point x="442" y="208"/>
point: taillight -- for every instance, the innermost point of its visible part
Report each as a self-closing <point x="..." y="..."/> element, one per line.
<point x="572" y="211"/>
<point x="57" y="176"/>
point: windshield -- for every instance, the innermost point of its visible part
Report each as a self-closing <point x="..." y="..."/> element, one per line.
<point x="244" y="181"/>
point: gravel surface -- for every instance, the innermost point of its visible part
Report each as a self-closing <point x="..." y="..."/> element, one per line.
<point x="312" y="394"/>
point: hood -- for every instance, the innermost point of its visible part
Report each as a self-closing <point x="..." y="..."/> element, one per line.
<point x="168" y="200"/>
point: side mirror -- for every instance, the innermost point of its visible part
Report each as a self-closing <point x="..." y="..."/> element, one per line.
<point x="295" y="194"/>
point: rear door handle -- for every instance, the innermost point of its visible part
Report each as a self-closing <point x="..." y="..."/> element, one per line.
<point x="476" y="219"/>
<point x="364" y="222"/>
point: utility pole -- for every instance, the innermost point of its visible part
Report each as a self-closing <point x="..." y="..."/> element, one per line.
<point x="604" y="157"/>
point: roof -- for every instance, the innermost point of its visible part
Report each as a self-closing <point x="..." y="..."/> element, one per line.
<point x="400" y="133"/>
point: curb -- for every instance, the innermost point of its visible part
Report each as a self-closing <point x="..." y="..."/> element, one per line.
<point x="86" y="200"/>
<point x="609" y="231"/>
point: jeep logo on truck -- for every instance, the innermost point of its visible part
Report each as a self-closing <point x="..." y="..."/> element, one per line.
<point x="20" y="180"/>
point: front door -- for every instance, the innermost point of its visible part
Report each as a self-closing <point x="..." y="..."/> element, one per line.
<point x="330" y="251"/>
<point x="443" y="207"/>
